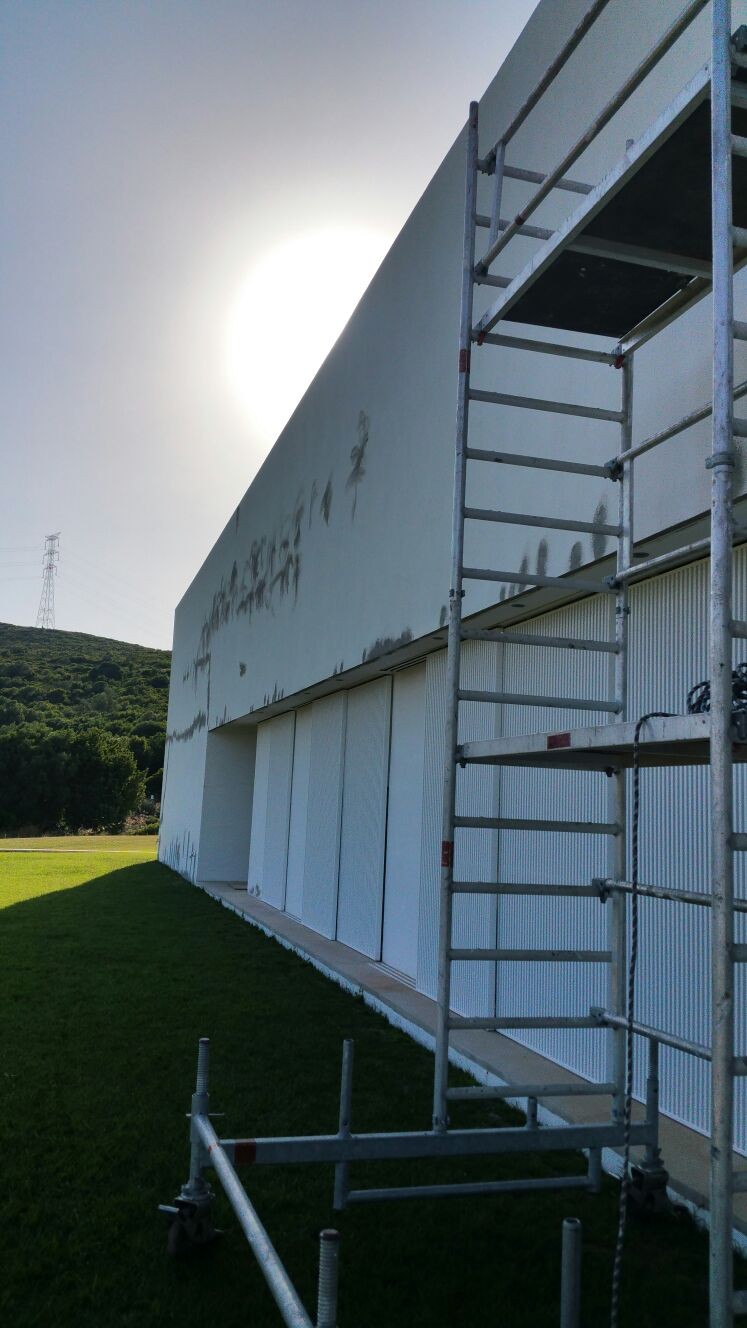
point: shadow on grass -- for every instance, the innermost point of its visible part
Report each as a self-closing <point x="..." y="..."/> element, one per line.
<point x="105" y="990"/>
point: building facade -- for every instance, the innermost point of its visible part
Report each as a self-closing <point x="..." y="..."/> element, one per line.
<point x="305" y="745"/>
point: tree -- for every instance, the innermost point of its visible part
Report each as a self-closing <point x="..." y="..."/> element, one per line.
<point x="60" y="779"/>
<point x="105" y="783"/>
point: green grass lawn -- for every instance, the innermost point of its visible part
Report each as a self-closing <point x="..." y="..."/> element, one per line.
<point x="110" y="970"/>
<point x="143" y="845"/>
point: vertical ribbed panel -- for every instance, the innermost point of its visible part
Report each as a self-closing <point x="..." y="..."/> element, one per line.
<point x="299" y="808"/>
<point x="559" y="859"/>
<point x="475" y="853"/>
<point x="404" y="821"/>
<point x="669" y="653"/>
<point x="281" y="731"/>
<point x="363" y="831"/>
<point x="323" y="813"/>
<point x="268" y="849"/>
<point x="259" y="810"/>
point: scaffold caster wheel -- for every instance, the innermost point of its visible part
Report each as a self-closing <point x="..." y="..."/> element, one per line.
<point x="190" y="1225"/>
<point x="648" y="1189"/>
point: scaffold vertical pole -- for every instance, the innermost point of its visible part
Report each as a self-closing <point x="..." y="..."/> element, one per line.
<point x="721" y="464"/>
<point x="441" y="1071"/>
<point x="617" y="795"/>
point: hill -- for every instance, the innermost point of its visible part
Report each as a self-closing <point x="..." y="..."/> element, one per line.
<point x="56" y="687"/>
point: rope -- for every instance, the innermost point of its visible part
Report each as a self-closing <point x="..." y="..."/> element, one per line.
<point x="630" y="1016"/>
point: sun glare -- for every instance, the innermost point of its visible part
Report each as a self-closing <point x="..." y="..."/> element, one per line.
<point x="289" y="311"/>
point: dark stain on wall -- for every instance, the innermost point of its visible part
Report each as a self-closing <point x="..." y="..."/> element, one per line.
<point x="271" y="570"/>
<point x="599" y="541"/>
<point x="183" y="735"/>
<point x="384" y="645"/>
<point x="357" y="460"/>
<point x="181" y="855"/>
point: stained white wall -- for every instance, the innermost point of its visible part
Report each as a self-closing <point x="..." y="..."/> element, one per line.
<point x="404" y="821"/>
<point x="339" y="553"/>
<point x="359" y="485"/>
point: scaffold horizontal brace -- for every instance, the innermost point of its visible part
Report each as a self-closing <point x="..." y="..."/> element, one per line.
<point x="465" y="1189"/>
<point x="330" y="1148"/>
<point x="486" y="1092"/>
<point x="509" y="637"/>
<point x="533" y="956"/>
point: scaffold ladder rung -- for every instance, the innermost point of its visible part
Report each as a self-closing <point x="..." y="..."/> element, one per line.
<point x="534" y="956"/>
<point x="511" y="888"/>
<point x="523" y="823"/>
<point x="572" y="583"/>
<point x="540" y="403"/>
<point x="606" y="472"/>
<point x="554" y="702"/>
<point x="509" y="637"/>
<point x="544" y="522"/>
<point x="548" y="348"/>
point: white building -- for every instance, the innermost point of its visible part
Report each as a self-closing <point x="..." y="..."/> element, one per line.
<point x="307" y="705"/>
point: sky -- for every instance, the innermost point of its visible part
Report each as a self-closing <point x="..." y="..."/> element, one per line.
<point x="175" y="172"/>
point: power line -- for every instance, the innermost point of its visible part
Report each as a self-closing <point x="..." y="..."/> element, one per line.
<point x="45" y="615"/>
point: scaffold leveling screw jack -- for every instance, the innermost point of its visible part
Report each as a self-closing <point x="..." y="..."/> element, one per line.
<point x="191" y="1214"/>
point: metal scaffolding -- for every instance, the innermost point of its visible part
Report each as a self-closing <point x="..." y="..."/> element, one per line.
<point x="639" y="272"/>
<point x="626" y="280"/>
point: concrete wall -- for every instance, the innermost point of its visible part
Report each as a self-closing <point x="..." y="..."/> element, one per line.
<point x="225" y="826"/>
<point x="338" y="555"/>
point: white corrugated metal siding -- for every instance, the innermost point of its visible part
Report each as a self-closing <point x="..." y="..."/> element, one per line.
<point x="268" y="850"/>
<point x="298" y="812"/>
<point x="668" y="655"/>
<point x="404" y="819"/>
<point x="363" y="830"/>
<point x="323" y="813"/>
<point x="278" y="808"/>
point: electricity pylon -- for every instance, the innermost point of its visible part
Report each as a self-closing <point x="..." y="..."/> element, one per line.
<point x="45" y="616"/>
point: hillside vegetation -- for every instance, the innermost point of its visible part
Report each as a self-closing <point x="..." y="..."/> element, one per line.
<point x="82" y="727"/>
